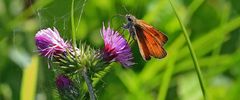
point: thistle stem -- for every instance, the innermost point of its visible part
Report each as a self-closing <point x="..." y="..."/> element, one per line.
<point x="89" y="84"/>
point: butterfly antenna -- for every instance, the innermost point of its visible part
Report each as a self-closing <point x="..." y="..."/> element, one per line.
<point x="124" y="7"/>
<point x="116" y="16"/>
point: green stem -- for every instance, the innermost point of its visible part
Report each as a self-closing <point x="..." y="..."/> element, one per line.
<point x="73" y="31"/>
<point x="73" y="24"/>
<point x="89" y="84"/>
<point x="193" y="55"/>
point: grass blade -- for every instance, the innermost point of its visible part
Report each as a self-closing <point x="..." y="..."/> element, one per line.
<point x="193" y="55"/>
<point x="29" y="80"/>
<point x="73" y="25"/>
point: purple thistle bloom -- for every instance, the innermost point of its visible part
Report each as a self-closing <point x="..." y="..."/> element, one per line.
<point x="116" y="47"/>
<point x="49" y="42"/>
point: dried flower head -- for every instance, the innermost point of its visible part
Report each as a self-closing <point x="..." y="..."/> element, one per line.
<point x="116" y="47"/>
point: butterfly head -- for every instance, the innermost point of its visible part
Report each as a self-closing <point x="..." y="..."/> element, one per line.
<point x="131" y="21"/>
<point x="130" y="18"/>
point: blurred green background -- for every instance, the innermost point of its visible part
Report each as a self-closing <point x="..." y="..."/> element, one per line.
<point x="213" y="26"/>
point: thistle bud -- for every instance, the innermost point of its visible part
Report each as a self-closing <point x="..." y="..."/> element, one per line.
<point x="66" y="88"/>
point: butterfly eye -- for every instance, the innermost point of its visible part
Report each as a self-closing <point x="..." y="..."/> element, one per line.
<point x="129" y="19"/>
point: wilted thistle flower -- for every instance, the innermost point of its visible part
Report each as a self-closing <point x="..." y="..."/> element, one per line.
<point x="66" y="88"/>
<point x="50" y="43"/>
<point x="116" y="47"/>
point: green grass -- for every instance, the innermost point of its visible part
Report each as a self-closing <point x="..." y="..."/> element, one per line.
<point x="192" y="52"/>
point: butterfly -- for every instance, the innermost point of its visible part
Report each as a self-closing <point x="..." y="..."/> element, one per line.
<point x="150" y="40"/>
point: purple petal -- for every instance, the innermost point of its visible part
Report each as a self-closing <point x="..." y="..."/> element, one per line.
<point x="116" y="47"/>
<point x="49" y="42"/>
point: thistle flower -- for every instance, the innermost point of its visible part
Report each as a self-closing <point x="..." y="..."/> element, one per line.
<point x="66" y="88"/>
<point x="116" y="47"/>
<point x="50" y="43"/>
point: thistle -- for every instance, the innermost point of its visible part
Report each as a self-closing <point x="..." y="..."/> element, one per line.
<point x="83" y="63"/>
<point x="50" y="43"/>
<point x="116" y="48"/>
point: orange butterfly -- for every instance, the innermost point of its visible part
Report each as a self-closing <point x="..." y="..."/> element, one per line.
<point x="150" y="40"/>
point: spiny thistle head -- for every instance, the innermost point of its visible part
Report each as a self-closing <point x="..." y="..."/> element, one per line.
<point x="75" y="61"/>
<point x="70" y="59"/>
<point x="66" y="88"/>
<point x="88" y="56"/>
<point x="116" y="47"/>
<point x="50" y="43"/>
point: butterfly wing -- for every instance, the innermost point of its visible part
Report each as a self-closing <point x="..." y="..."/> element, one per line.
<point x="153" y="40"/>
<point x="159" y="36"/>
<point x="143" y="48"/>
<point x="155" y="48"/>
